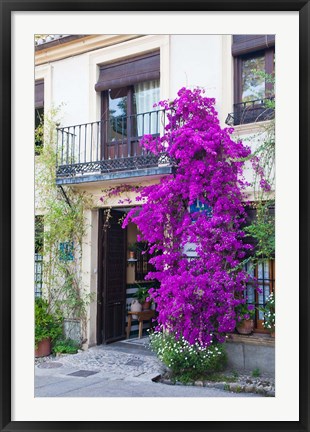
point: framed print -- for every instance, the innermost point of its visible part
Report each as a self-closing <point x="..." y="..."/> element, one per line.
<point x="155" y="195"/>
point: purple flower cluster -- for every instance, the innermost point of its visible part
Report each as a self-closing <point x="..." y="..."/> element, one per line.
<point x="197" y="296"/>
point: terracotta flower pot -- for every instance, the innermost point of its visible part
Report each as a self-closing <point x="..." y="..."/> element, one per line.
<point x="146" y="305"/>
<point x="44" y="348"/>
<point x="131" y="254"/>
<point x="245" y="327"/>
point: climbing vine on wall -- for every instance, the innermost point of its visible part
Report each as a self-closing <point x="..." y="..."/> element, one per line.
<point x="64" y="229"/>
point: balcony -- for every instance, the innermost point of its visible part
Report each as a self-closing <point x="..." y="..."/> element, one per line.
<point x="251" y="112"/>
<point x="110" y="149"/>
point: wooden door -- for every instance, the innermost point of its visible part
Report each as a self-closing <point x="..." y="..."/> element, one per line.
<point x="111" y="278"/>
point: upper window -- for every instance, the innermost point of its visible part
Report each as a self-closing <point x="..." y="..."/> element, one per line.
<point x="254" y="57"/>
<point x="129" y="89"/>
<point x="39" y="115"/>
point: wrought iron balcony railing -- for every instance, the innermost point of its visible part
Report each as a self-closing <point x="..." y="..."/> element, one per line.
<point x="251" y="112"/>
<point x="109" y="145"/>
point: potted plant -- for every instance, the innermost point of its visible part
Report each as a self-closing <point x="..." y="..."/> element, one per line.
<point x="244" y="317"/>
<point x="132" y="247"/>
<point x="269" y="314"/>
<point x="142" y="295"/>
<point x="48" y="328"/>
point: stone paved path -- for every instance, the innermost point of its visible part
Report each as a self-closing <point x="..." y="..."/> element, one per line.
<point x="120" y="369"/>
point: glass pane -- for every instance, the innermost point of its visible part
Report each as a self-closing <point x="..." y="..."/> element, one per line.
<point x="263" y="270"/>
<point x="117" y="114"/>
<point x="266" y="291"/>
<point x="250" y="268"/>
<point x="250" y="294"/>
<point x="146" y="94"/>
<point x="253" y="83"/>
<point x="261" y="302"/>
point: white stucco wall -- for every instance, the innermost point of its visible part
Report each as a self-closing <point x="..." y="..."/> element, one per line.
<point x="203" y="61"/>
<point x="70" y="84"/>
<point x="195" y="60"/>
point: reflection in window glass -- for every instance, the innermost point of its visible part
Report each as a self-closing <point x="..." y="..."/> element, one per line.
<point x="253" y="83"/>
<point x="117" y="114"/>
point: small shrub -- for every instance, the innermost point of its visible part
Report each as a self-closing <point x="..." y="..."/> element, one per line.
<point x="235" y="374"/>
<point x="185" y="360"/>
<point x="47" y="325"/>
<point x="66" y="346"/>
<point x="256" y="373"/>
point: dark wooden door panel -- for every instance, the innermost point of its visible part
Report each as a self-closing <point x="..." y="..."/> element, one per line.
<point x="112" y="279"/>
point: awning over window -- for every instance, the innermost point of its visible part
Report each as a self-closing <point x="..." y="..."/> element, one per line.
<point x="243" y="44"/>
<point x="129" y="72"/>
<point x="39" y="94"/>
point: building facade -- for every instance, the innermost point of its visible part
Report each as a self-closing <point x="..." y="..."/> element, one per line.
<point x="106" y="86"/>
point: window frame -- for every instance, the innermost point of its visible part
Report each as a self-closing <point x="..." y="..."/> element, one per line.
<point x="269" y="69"/>
<point x="258" y="323"/>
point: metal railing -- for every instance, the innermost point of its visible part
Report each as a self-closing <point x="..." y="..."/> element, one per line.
<point x="251" y="112"/>
<point x="109" y="145"/>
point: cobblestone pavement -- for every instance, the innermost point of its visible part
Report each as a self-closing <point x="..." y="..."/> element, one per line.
<point x="109" y="361"/>
<point x="121" y="369"/>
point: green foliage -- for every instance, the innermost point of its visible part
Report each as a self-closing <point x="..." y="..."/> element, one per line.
<point x="47" y="324"/>
<point x="64" y="221"/>
<point x="262" y="230"/>
<point x="141" y="294"/>
<point x="262" y="158"/>
<point x="256" y="373"/>
<point x="269" y="313"/>
<point x="220" y="377"/>
<point x="66" y="346"/>
<point x="187" y="361"/>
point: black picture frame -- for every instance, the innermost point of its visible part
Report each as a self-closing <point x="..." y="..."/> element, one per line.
<point x="6" y="8"/>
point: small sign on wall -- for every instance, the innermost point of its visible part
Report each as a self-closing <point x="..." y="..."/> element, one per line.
<point x="190" y="250"/>
<point x="66" y="250"/>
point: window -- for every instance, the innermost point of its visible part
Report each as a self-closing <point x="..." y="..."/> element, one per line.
<point x="129" y="89"/>
<point x="263" y="273"/>
<point x="39" y="115"/>
<point x="253" y="75"/>
<point x="129" y="114"/>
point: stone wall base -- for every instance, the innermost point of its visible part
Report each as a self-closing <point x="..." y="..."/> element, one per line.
<point x="251" y="352"/>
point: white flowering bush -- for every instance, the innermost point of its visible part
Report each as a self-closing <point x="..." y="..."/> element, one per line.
<point x="269" y="313"/>
<point x="182" y="357"/>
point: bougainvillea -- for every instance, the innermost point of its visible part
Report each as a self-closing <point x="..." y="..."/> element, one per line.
<point x="197" y="295"/>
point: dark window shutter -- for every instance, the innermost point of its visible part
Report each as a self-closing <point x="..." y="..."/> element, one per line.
<point x="129" y="72"/>
<point x="244" y="44"/>
<point x="39" y="94"/>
